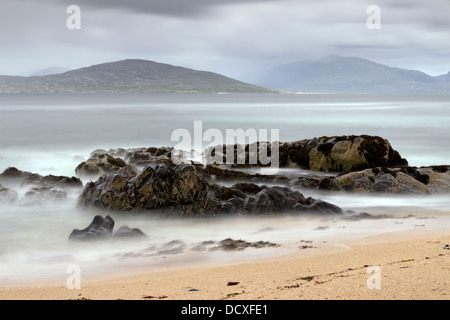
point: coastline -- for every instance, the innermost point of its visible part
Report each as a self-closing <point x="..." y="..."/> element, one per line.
<point x="412" y="265"/>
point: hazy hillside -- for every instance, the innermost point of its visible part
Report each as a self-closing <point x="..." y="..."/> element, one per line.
<point x="126" y="76"/>
<point x="49" y="71"/>
<point x="339" y="74"/>
<point x="444" y="77"/>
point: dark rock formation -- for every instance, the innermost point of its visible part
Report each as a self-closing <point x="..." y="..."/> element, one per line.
<point x="39" y="190"/>
<point x="102" y="229"/>
<point x="150" y="182"/>
<point x="331" y="154"/>
<point x="127" y="232"/>
<point x="8" y="196"/>
<point x="99" y="164"/>
<point x="282" y="199"/>
<point x="181" y="191"/>
<point x="103" y="162"/>
<point x="231" y="245"/>
<point x="15" y="177"/>
<point x="153" y="188"/>
<point x="43" y="195"/>
<point x="406" y="180"/>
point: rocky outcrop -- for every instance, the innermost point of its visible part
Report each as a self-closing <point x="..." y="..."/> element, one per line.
<point x="99" y="228"/>
<point x="407" y="180"/>
<point x="102" y="228"/>
<point x="38" y="190"/>
<point x="149" y="181"/>
<point x="284" y="200"/>
<point x="8" y="196"/>
<point x="182" y="191"/>
<point x="329" y="154"/>
<point x="103" y="162"/>
<point x="99" y="164"/>
<point x="127" y="232"/>
<point x="153" y="188"/>
<point x="43" y="195"/>
<point x="351" y="153"/>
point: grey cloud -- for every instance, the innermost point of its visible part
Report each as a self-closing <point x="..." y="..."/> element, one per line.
<point x="179" y="8"/>
<point x="221" y="35"/>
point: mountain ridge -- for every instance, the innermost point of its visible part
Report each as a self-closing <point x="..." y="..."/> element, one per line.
<point x="127" y="76"/>
<point x="329" y="74"/>
<point x="336" y="74"/>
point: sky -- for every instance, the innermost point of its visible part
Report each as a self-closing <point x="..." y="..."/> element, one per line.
<point x="232" y="37"/>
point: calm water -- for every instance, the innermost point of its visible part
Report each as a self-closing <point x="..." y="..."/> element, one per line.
<point x="53" y="134"/>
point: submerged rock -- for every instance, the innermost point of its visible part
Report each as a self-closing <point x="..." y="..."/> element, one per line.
<point x="407" y="180"/>
<point x="103" y="162"/>
<point x="39" y="190"/>
<point x="285" y="200"/>
<point x="43" y="195"/>
<point x="231" y="245"/>
<point x="8" y="196"/>
<point x="102" y="228"/>
<point x="127" y="232"/>
<point x="17" y="178"/>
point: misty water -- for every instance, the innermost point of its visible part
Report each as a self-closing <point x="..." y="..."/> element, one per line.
<point x="52" y="134"/>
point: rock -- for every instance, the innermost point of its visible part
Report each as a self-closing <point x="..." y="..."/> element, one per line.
<point x="13" y="177"/>
<point x="247" y="188"/>
<point x="231" y="244"/>
<point x="98" y="165"/>
<point x="213" y="173"/>
<point x="127" y="232"/>
<point x="145" y="156"/>
<point x="332" y="154"/>
<point x="276" y="200"/>
<point x="181" y="191"/>
<point x="311" y="205"/>
<point x="103" y="162"/>
<point x="100" y="228"/>
<point x="284" y="200"/>
<point x="232" y="205"/>
<point x="437" y="178"/>
<point x="13" y="173"/>
<point x="207" y="207"/>
<point x="153" y="188"/>
<point x="16" y="177"/>
<point x="43" y="195"/>
<point x="224" y="193"/>
<point x="351" y="153"/>
<point x="39" y="190"/>
<point x="406" y="180"/>
<point x="8" y="196"/>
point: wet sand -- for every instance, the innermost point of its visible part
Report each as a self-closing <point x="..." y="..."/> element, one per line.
<point x="412" y="264"/>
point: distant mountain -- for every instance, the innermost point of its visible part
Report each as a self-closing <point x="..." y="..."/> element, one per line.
<point x="126" y="76"/>
<point x="49" y="71"/>
<point x="444" y="77"/>
<point x="336" y="74"/>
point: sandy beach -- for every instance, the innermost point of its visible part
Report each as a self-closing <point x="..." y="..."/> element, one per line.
<point x="393" y="266"/>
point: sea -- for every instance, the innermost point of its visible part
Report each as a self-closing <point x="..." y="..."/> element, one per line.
<point x="52" y="134"/>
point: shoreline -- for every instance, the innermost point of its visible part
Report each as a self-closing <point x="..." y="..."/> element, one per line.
<point x="412" y="264"/>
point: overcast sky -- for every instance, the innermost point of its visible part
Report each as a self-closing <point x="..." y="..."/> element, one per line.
<point x="232" y="37"/>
